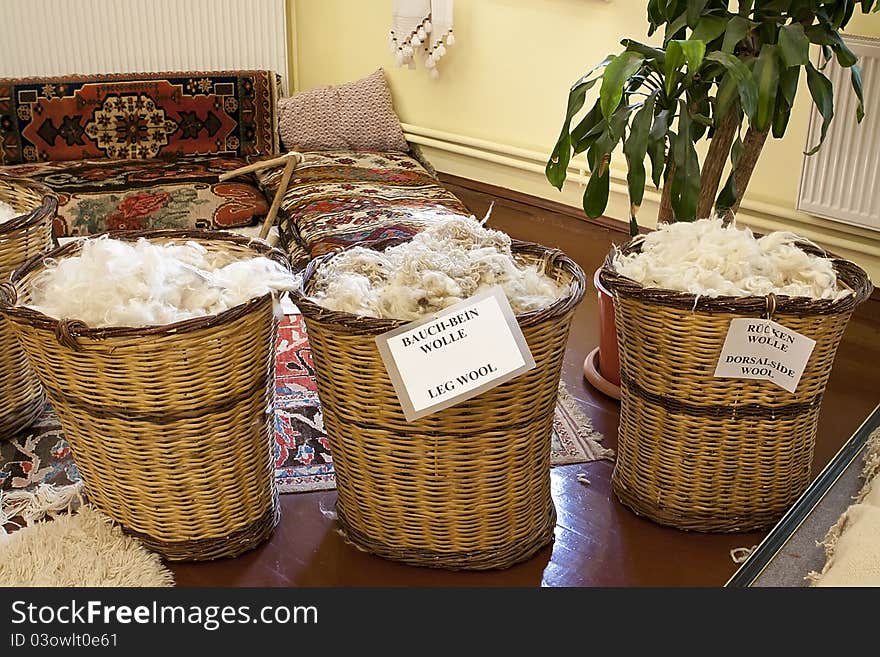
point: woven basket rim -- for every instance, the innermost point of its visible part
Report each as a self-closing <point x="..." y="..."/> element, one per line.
<point x="847" y="271"/>
<point x="550" y="257"/>
<point x="46" y="209"/>
<point x="73" y="328"/>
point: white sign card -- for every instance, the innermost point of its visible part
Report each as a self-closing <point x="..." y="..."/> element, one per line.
<point x="451" y="356"/>
<point x="763" y="349"/>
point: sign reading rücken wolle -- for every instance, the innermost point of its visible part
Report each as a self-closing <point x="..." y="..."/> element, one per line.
<point x="452" y="356"/>
<point x="763" y="349"/>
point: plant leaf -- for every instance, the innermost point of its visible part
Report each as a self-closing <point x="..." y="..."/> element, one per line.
<point x="635" y="148"/>
<point x="794" y="46"/>
<point x="736" y="150"/>
<point x="674" y="61"/>
<point x="845" y="56"/>
<point x="737" y="29"/>
<point x="788" y="83"/>
<point x="827" y="37"/>
<point x="685" y="190"/>
<point x="596" y="194"/>
<point x="823" y="96"/>
<point x="657" y="145"/>
<point x="648" y="52"/>
<point x="657" y="153"/>
<point x="693" y="51"/>
<point x="674" y="27"/>
<point x="615" y="128"/>
<point x="728" y="90"/>
<point x="661" y="124"/>
<point x="587" y="124"/>
<point x="618" y="71"/>
<point x="781" y="116"/>
<point x="708" y="29"/>
<point x="599" y="157"/>
<point x="767" y="79"/>
<point x="775" y="6"/>
<point x="587" y="130"/>
<point x="856" y="79"/>
<point x="694" y="9"/>
<point x="727" y="196"/>
<point x="655" y="12"/>
<point x="633" y="227"/>
<point x="557" y="164"/>
<point x="742" y="76"/>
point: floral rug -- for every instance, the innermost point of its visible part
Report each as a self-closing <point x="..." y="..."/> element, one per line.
<point x="302" y="450"/>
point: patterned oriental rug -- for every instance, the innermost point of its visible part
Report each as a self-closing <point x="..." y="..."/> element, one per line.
<point x="303" y="462"/>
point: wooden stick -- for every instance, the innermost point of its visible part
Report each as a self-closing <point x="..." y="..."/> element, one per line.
<point x="291" y="156"/>
<point x="279" y="195"/>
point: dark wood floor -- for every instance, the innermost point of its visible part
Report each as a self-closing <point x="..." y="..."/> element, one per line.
<point x="598" y="541"/>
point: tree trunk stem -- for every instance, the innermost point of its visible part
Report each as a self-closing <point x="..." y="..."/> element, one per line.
<point x="713" y="167"/>
<point x="665" y="214"/>
<point x="752" y="145"/>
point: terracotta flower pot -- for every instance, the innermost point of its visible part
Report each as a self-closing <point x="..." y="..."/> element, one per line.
<point x="602" y="366"/>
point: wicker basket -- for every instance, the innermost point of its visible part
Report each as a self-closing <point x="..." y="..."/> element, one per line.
<point x="464" y="488"/>
<point x="716" y="454"/>
<point x="169" y="425"/>
<point x="21" y="395"/>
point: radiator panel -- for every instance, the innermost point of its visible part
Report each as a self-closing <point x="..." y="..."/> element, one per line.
<point x="842" y="181"/>
<point x="61" y="37"/>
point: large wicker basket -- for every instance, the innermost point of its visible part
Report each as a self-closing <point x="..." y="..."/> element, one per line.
<point x="21" y="396"/>
<point x="464" y="488"/>
<point x="169" y="425"/>
<point x="716" y="454"/>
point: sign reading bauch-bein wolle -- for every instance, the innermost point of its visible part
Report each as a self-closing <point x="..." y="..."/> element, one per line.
<point x="764" y="349"/>
<point x="454" y="355"/>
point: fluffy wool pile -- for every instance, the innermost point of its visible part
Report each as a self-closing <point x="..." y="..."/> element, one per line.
<point x="7" y="212"/>
<point x="707" y="258"/>
<point x="82" y="549"/>
<point x="447" y="263"/>
<point x="117" y="283"/>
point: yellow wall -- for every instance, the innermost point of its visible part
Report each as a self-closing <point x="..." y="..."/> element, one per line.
<point x="495" y="112"/>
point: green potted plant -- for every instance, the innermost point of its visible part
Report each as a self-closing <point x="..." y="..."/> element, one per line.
<point x="725" y="72"/>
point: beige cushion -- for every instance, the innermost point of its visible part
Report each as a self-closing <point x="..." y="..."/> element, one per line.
<point x="355" y="116"/>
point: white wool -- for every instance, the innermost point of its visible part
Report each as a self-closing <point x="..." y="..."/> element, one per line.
<point x="117" y="283"/>
<point x="445" y="264"/>
<point x="709" y="259"/>
<point x="7" y="212"/>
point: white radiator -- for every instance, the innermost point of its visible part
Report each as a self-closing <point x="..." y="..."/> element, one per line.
<point x="842" y="181"/>
<point x="58" y="37"/>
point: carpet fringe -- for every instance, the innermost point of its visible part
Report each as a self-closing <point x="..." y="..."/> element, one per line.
<point x="32" y="506"/>
<point x="584" y="427"/>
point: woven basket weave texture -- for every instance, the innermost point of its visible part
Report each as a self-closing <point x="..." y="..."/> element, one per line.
<point x="21" y="396"/>
<point x="716" y="454"/>
<point x="467" y="487"/>
<point x="169" y="425"/>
